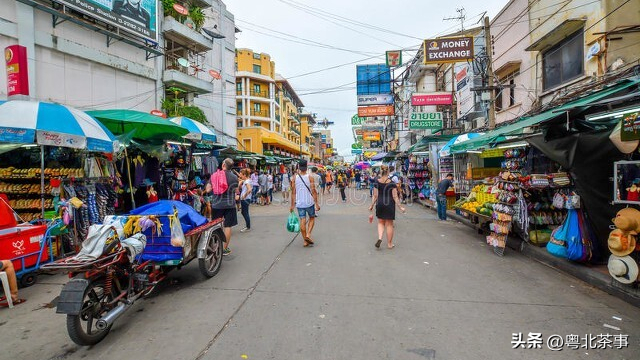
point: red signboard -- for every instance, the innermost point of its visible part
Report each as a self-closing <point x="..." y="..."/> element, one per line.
<point x="383" y="110"/>
<point x="432" y="99"/>
<point x="17" y="73"/>
<point x="159" y="113"/>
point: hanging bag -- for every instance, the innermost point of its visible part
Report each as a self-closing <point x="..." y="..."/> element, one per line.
<point x="293" y="223"/>
<point x="574" y="237"/>
<point x="219" y="182"/>
<point x="573" y="201"/>
<point x="558" y="201"/>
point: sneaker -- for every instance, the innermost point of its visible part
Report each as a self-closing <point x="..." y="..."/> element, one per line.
<point x="245" y="230"/>
<point x="226" y="252"/>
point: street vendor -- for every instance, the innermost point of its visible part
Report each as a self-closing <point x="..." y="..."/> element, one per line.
<point x="441" y="194"/>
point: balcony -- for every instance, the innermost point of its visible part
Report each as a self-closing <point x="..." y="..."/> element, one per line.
<point x="261" y="113"/>
<point x="178" y="77"/>
<point x="277" y="118"/>
<point x="203" y="4"/>
<point x="239" y="112"/>
<point x="262" y="94"/>
<point x="295" y="131"/>
<point x="182" y="34"/>
<point x="293" y="117"/>
<point x="238" y="92"/>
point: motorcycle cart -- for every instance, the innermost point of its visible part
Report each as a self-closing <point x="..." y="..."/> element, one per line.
<point x="128" y="260"/>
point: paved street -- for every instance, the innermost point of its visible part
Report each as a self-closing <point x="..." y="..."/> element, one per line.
<point x="440" y="294"/>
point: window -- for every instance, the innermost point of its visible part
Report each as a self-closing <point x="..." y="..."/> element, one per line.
<point x="256" y="124"/>
<point x="257" y="69"/>
<point x="239" y="105"/>
<point x="498" y="100"/>
<point x="239" y="124"/>
<point x="512" y="92"/>
<point x="257" y="107"/>
<point x="239" y="86"/>
<point x="256" y="89"/>
<point x="563" y="62"/>
<point x="256" y="56"/>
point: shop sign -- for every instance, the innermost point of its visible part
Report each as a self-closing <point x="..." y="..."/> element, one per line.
<point x="380" y="110"/>
<point x="394" y="58"/>
<point x="15" y="57"/>
<point x="159" y="113"/>
<point x="406" y="122"/>
<point x="323" y="145"/>
<point x="630" y="126"/>
<point x="425" y="124"/>
<point x="448" y="50"/>
<point x="371" y="136"/>
<point x="377" y="99"/>
<point x="359" y="132"/>
<point x="438" y="98"/>
<point x="140" y="19"/>
<point x="426" y="116"/>
<point x="370" y="154"/>
<point x="356" y="151"/>
<point x="355" y="119"/>
<point x="54" y="139"/>
<point x="492" y="153"/>
<point x="461" y="84"/>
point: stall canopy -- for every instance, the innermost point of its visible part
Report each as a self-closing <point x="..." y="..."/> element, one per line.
<point x="379" y="156"/>
<point x="423" y="143"/>
<point x="32" y="122"/>
<point x="140" y="124"/>
<point x="498" y="135"/>
<point x="446" y="149"/>
<point x="197" y="131"/>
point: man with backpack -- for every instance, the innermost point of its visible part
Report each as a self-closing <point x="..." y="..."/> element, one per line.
<point x="224" y="184"/>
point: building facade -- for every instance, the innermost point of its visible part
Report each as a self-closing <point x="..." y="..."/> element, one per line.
<point x="78" y="58"/>
<point x="268" y="108"/>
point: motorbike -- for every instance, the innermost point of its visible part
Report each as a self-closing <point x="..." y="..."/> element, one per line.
<point x="104" y="286"/>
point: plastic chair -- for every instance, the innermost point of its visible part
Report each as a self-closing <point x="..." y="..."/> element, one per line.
<point x="5" y="286"/>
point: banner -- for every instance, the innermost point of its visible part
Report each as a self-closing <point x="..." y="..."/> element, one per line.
<point x="138" y="17"/>
<point x="380" y="110"/>
<point x="371" y="136"/>
<point x="439" y="98"/>
<point x="447" y="50"/>
<point x="378" y="99"/>
<point x="15" y="57"/>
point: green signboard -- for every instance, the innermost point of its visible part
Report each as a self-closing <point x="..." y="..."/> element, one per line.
<point x="426" y="116"/>
<point x="357" y="145"/>
<point x="356" y="151"/>
<point x="425" y="124"/>
<point x="357" y="120"/>
<point x="630" y="126"/>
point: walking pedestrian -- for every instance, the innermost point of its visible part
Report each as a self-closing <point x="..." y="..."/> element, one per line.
<point x="245" y="198"/>
<point x="385" y="199"/>
<point x="342" y="182"/>
<point x="329" y="178"/>
<point x="373" y="179"/>
<point x="254" y="186"/>
<point x="305" y="198"/>
<point x="223" y="205"/>
<point x="358" y="179"/>
<point x="441" y="196"/>
<point x="323" y="181"/>
<point x="286" y="185"/>
<point x="269" y="188"/>
<point x="263" y="181"/>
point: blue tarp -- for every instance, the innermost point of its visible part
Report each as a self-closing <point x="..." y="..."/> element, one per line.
<point x="189" y="218"/>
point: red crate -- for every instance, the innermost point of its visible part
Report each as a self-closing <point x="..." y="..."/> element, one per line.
<point x="22" y="241"/>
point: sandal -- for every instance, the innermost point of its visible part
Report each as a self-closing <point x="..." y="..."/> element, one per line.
<point x="4" y="303"/>
<point x="378" y="243"/>
<point x="391" y="247"/>
<point x="309" y="240"/>
<point x="307" y="244"/>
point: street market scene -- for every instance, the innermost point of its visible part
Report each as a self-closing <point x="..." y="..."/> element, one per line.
<point x="199" y="179"/>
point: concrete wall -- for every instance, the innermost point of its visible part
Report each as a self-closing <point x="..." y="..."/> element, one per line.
<point x="509" y="30"/>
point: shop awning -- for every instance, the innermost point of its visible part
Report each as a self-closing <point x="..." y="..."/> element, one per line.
<point x="499" y="135"/>
<point x="379" y="156"/>
<point x="424" y="142"/>
<point x="142" y="125"/>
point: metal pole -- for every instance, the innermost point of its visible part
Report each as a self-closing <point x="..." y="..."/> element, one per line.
<point x="42" y="179"/>
<point x="492" y="95"/>
<point x="126" y="159"/>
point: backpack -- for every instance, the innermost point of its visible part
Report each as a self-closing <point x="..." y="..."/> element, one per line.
<point x="219" y="182"/>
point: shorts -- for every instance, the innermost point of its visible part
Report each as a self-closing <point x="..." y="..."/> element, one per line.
<point x="329" y="183"/>
<point x="311" y="211"/>
<point x="230" y="216"/>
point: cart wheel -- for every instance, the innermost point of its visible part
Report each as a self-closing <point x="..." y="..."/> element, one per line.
<point x="28" y="280"/>
<point x="210" y="265"/>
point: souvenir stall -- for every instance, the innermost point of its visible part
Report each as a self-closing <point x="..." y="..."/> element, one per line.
<point x="419" y="175"/>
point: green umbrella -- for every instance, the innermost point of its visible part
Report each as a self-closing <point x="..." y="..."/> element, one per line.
<point x="143" y="125"/>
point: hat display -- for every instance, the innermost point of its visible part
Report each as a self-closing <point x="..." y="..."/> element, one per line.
<point x="623" y="268"/>
<point x="621" y="243"/>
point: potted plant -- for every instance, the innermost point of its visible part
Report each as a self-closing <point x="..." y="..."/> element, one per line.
<point x="197" y="16"/>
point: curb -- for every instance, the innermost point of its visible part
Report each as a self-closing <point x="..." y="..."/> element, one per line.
<point x="582" y="272"/>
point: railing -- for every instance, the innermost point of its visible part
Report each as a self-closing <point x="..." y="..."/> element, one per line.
<point x="277" y="118"/>
<point x="295" y="131"/>
<point x="263" y="113"/>
<point x="238" y="91"/>
<point x="239" y="112"/>
<point x="292" y="116"/>
<point x="264" y="94"/>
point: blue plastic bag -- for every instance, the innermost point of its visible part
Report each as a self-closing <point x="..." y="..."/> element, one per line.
<point x="293" y="223"/>
<point x="575" y="251"/>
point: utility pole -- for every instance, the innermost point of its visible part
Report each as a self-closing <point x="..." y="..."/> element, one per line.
<point x="492" y="94"/>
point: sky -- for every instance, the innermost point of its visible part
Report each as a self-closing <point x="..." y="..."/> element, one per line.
<point x="329" y="38"/>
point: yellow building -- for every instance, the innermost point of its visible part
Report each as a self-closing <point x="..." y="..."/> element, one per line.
<point x="268" y="107"/>
<point x="307" y="121"/>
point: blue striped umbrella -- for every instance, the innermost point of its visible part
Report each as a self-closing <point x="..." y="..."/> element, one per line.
<point x="33" y="122"/>
<point x="197" y="130"/>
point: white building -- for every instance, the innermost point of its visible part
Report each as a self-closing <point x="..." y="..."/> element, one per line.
<point x="80" y="54"/>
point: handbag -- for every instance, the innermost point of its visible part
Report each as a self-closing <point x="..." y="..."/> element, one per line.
<point x="573" y="201"/>
<point x="558" y="201"/>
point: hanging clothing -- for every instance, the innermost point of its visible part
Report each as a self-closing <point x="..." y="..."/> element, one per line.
<point x="153" y="170"/>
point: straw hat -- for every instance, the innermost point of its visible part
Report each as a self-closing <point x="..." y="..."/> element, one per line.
<point x="624" y="269"/>
<point x="621" y="244"/>
<point x="625" y="147"/>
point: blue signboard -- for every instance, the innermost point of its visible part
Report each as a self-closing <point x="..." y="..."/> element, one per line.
<point x="373" y="79"/>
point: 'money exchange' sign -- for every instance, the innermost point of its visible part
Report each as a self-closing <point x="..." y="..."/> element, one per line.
<point x="447" y="50"/>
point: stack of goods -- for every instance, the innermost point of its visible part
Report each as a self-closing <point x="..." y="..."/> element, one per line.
<point x="13" y="173"/>
<point x="505" y="210"/>
<point x="480" y="201"/>
<point x="7" y="188"/>
<point x="418" y="173"/>
<point x="445" y="166"/>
